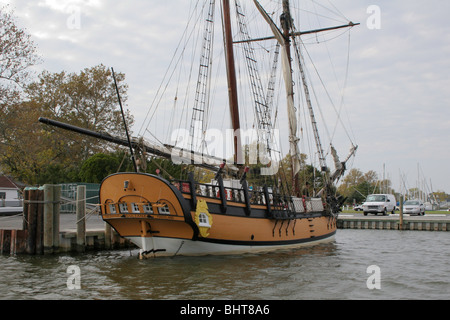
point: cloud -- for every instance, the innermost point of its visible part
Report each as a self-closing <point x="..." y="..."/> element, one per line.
<point x="66" y="6"/>
<point x="396" y="99"/>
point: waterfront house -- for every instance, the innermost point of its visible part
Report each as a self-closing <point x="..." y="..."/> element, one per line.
<point x="10" y="196"/>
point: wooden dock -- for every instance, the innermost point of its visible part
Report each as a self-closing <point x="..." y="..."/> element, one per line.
<point x="14" y="242"/>
<point x="42" y="230"/>
<point x="432" y="222"/>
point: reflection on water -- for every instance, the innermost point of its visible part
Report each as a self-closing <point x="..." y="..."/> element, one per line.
<point x="413" y="265"/>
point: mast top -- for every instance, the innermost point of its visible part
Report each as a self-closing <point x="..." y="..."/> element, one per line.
<point x="286" y="18"/>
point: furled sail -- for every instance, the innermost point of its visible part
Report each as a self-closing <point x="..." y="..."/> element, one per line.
<point x="288" y="81"/>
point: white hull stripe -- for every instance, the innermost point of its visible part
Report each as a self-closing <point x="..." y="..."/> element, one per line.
<point x="155" y="246"/>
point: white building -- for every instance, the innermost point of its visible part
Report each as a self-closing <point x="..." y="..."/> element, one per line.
<point x="10" y="196"/>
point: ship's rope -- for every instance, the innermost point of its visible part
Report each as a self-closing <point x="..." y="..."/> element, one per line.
<point x="170" y="71"/>
<point x="338" y="111"/>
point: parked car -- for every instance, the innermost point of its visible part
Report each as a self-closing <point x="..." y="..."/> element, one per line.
<point x="358" y="207"/>
<point x="414" y="207"/>
<point x="382" y="203"/>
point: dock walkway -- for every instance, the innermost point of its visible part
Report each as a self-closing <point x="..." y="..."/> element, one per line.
<point x="428" y="222"/>
<point x="98" y="235"/>
<point x="42" y="229"/>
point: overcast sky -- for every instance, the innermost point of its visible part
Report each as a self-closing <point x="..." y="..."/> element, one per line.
<point x="397" y="95"/>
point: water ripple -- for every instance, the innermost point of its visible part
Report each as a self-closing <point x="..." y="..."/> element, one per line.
<point x="413" y="265"/>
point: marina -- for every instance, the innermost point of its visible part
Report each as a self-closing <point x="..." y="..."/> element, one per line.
<point x="99" y="236"/>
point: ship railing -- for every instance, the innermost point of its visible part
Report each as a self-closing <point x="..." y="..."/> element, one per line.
<point x="257" y="196"/>
<point x="213" y="191"/>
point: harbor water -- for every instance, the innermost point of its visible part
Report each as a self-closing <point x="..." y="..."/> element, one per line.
<point x="358" y="264"/>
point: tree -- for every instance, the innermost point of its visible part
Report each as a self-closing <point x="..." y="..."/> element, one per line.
<point x="168" y="169"/>
<point x="17" y="55"/>
<point x="98" y="167"/>
<point x="356" y="185"/>
<point x="310" y="179"/>
<point x="353" y="178"/>
<point x="440" y="196"/>
<point x="87" y="99"/>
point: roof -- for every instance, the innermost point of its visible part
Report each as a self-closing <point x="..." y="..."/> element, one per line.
<point x="7" y="182"/>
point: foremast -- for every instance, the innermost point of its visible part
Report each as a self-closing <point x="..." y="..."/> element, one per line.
<point x="287" y="25"/>
<point x="284" y="37"/>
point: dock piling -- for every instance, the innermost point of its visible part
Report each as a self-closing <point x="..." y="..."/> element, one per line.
<point x="400" y="224"/>
<point x="56" y="216"/>
<point x="81" y="218"/>
<point x="108" y="235"/>
<point x="32" y="221"/>
<point x="48" y="219"/>
<point x="40" y="222"/>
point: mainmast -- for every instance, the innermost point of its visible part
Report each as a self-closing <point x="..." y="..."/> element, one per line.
<point x="232" y="84"/>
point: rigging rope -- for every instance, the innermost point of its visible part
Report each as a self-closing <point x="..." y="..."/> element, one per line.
<point x="173" y="63"/>
<point x="201" y="105"/>
<point x="338" y="113"/>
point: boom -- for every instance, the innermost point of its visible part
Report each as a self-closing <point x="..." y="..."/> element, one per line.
<point x="166" y="151"/>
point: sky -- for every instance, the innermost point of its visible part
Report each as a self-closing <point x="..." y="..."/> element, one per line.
<point x="397" y="94"/>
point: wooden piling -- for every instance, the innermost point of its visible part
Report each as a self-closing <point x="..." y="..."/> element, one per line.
<point x="48" y="219"/>
<point x="40" y="222"/>
<point x="18" y="241"/>
<point x="32" y="221"/>
<point x="5" y="241"/>
<point x="81" y="218"/>
<point x="26" y="198"/>
<point x="56" y="215"/>
<point x="400" y="224"/>
<point x="108" y="234"/>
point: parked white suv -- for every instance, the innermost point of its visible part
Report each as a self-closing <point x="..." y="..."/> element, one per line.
<point x="379" y="203"/>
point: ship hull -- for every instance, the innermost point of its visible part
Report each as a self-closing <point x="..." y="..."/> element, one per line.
<point x="159" y="247"/>
<point x="168" y="219"/>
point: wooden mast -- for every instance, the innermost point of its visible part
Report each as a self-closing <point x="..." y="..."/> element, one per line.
<point x="286" y="26"/>
<point x="284" y="36"/>
<point x="232" y="84"/>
